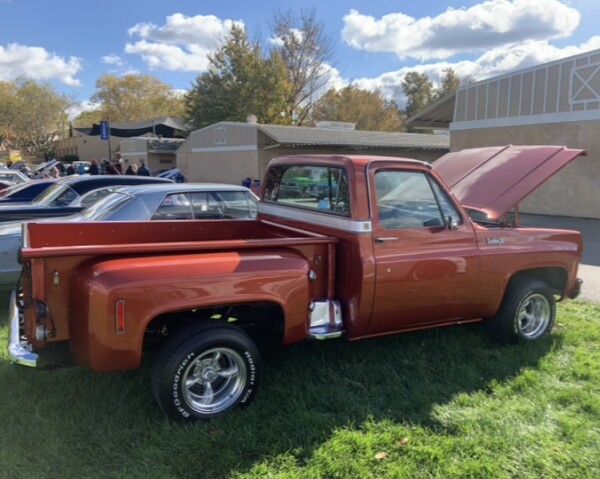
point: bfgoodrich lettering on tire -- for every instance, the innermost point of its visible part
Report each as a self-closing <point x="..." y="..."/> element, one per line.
<point x="205" y="371"/>
<point x="527" y="313"/>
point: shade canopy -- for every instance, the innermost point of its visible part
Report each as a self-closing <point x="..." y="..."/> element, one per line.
<point x="164" y="126"/>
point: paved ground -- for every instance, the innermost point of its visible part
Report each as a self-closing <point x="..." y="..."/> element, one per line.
<point x="589" y="270"/>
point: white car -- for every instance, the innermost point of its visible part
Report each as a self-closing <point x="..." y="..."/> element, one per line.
<point x="10" y="177"/>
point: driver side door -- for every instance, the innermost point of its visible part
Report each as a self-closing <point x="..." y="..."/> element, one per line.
<point x="427" y="267"/>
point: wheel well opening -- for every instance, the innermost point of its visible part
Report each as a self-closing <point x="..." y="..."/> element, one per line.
<point x="264" y="322"/>
<point x="554" y="277"/>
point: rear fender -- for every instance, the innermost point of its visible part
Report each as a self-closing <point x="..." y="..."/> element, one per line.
<point x="156" y="285"/>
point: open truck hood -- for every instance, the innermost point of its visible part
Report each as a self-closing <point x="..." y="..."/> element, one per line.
<point x="495" y="179"/>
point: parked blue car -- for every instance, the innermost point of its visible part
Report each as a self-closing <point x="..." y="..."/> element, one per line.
<point x="25" y="192"/>
<point x="61" y="199"/>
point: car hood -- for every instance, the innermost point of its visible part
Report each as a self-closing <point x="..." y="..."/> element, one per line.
<point x="495" y="179"/>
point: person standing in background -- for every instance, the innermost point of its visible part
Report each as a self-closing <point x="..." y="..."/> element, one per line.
<point x="143" y="170"/>
<point x="132" y="169"/>
<point x="94" y="169"/>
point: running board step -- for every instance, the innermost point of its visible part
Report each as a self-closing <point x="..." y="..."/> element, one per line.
<point x="325" y="332"/>
<point x="325" y="319"/>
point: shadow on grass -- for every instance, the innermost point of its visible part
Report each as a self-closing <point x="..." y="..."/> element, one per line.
<point x="81" y="421"/>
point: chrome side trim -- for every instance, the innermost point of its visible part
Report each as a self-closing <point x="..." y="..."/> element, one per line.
<point x="321" y="219"/>
<point x="17" y="352"/>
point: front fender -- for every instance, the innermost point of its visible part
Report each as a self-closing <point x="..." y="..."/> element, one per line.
<point x="154" y="285"/>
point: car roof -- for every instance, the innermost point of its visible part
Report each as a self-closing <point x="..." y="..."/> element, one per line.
<point x="180" y="187"/>
<point x="109" y="179"/>
<point x="84" y="183"/>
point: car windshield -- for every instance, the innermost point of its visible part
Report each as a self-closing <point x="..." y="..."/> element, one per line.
<point x="8" y="176"/>
<point x="56" y="195"/>
<point x="104" y="207"/>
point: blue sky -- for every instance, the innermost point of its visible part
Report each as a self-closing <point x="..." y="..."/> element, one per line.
<point x="71" y="43"/>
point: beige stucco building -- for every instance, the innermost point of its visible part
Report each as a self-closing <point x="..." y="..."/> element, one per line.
<point x="86" y="147"/>
<point x="157" y="153"/>
<point x="229" y="152"/>
<point x="556" y="103"/>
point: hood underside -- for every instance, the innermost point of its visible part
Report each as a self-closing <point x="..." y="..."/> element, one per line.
<point x="495" y="179"/>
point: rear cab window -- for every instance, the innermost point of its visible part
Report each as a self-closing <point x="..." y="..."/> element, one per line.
<point x="311" y="187"/>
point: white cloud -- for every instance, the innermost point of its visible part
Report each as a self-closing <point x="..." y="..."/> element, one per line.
<point x="484" y="26"/>
<point x="170" y="57"/>
<point x="295" y="35"/>
<point x="335" y="78"/>
<point x="118" y="65"/>
<point x="113" y="60"/>
<point x="76" y="109"/>
<point x="38" y="64"/>
<point x="181" y="44"/>
<point x="494" y="62"/>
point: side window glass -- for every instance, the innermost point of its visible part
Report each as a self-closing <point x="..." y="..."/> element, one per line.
<point x="206" y="207"/>
<point x="94" y="196"/>
<point x="65" y="198"/>
<point x="405" y="200"/>
<point x="448" y="208"/>
<point x="234" y="203"/>
<point x="174" y="207"/>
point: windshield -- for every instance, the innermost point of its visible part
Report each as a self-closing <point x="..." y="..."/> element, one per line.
<point x="11" y="177"/>
<point x="56" y="195"/>
<point x="104" y="207"/>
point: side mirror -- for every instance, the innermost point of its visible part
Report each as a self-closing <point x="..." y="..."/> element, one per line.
<point x="451" y="223"/>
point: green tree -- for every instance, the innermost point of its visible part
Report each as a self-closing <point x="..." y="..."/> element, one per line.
<point x="419" y="91"/>
<point x="32" y="115"/>
<point x="136" y="97"/>
<point x="369" y="110"/>
<point x="307" y="53"/>
<point x="239" y="82"/>
<point x="450" y="83"/>
<point x="9" y="111"/>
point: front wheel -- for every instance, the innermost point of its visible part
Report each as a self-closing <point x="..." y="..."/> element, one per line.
<point x="205" y="371"/>
<point x="527" y="313"/>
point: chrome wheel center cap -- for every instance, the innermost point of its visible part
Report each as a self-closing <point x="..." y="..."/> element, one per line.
<point x="209" y="374"/>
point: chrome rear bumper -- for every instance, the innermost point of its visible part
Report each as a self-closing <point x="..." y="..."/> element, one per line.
<point x="18" y="350"/>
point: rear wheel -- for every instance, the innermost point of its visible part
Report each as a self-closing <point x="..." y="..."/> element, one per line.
<point x="205" y="371"/>
<point x="527" y="313"/>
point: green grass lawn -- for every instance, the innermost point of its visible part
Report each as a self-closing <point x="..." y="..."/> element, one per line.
<point x="442" y="403"/>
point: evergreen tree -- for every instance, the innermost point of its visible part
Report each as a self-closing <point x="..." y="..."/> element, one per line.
<point x="239" y="82"/>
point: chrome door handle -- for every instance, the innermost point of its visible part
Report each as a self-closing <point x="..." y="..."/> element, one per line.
<point x="385" y="238"/>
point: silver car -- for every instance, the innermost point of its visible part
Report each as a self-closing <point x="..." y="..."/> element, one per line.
<point x="168" y="201"/>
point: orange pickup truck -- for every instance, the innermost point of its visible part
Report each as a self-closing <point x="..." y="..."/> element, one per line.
<point x="363" y="246"/>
